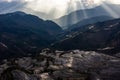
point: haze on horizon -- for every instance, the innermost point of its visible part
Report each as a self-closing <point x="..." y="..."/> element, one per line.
<point x="52" y="8"/>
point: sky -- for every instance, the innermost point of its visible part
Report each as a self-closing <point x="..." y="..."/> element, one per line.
<point x="49" y="8"/>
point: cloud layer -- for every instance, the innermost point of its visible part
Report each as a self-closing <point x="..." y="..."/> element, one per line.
<point x="47" y="8"/>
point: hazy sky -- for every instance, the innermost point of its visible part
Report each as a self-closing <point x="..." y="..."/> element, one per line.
<point x="53" y="8"/>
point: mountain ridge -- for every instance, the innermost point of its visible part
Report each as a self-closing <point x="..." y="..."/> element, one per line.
<point x="101" y="36"/>
<point x="25" y="34"/>
<point x="79" y="15"/>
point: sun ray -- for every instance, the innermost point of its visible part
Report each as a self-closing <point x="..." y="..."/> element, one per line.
<point x="84" y="12"/>
<point x="60" y="7"/>
<point x="110" y="11"/>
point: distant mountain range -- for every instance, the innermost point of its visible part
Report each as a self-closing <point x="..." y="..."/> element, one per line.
<point x="110" y="10"/>
<point x="90" y="21"/>
<point x="22" y="34"/>
<point x="101" y="36"/>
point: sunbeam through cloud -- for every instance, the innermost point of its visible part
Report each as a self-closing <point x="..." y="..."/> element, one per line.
<point x="47" y="7"/>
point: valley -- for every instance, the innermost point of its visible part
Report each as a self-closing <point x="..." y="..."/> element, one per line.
<point x="76" y="46"/>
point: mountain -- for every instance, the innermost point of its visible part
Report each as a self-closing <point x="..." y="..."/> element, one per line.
<point x="111" y="10"/>
<point x="90" y="21"/>
<point x="22" y="34"/>
<point x="101" y="36"/>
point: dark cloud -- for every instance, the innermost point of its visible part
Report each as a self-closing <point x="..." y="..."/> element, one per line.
<point x="6" y="7"/>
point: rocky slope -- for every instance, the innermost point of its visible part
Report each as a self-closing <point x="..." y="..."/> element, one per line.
<point x="61" y="65"/>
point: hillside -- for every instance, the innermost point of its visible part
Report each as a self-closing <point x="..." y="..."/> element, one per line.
<point x="101" y="36"/>
<point x="22" y="34"/>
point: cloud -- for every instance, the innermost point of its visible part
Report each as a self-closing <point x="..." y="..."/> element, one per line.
<point x="52" y="8"/>
<point x="47" y="8"/>
<point x="7" y="6"/>
<point x="8" y="0"/>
